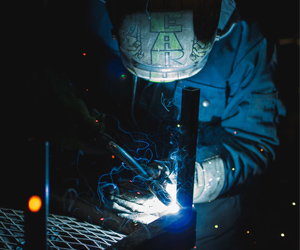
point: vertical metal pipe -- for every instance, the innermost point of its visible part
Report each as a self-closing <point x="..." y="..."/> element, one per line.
<point x="37" y="180"/>
<point x="187" y="146"/>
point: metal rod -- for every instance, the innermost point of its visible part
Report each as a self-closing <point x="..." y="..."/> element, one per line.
<point x="37" y="195"/>
<point x="187" y="146"/>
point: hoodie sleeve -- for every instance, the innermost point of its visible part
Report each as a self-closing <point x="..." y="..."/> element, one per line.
<point x="246" y="137"/>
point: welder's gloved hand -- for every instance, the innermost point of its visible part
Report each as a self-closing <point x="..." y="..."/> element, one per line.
<point x="138" y="206"/>
<point x="141" y="205"/>
<point x="159" y="170"/>
<point x="209" y="179"/>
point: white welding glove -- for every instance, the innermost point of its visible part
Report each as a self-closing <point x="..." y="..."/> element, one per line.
<point x="142" y="207"/>
<point x="209" y="179"/>
<point x="141" y="210"/>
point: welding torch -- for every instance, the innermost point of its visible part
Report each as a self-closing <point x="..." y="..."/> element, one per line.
<point x="154" y="186"/>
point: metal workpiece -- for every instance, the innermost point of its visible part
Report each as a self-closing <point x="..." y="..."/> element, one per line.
<point x="187" y="146"/>
<point x="169" y="232"/>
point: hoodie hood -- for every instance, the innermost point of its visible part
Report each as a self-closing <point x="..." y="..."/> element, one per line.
<point x="228" y="17"/>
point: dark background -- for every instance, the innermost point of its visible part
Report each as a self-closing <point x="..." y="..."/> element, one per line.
<point x="63" y="44"/>
<point x="279" y="187"/>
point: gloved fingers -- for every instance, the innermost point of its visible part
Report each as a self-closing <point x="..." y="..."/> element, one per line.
<point x="153" y="171"/>
<point x="139" y="217"/>
<point x="209" y="179"/>
<point x="128" y="206"/>
<point x="199" y="181"/>
<point x="164" y="165"/>
<point x="120" y="209"/>
<point x="148" y="206"/>
<point x="143" y="218"/>
<point x="159" y="169"/>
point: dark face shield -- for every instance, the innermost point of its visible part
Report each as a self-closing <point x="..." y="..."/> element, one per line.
<point x="162" y="42"/>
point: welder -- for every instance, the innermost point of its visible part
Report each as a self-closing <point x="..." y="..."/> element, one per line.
<point x="170" y="45"/>
<point x="154" y="49"/>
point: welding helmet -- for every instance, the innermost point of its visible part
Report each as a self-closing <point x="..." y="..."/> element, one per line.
<point x="165" y="40"/>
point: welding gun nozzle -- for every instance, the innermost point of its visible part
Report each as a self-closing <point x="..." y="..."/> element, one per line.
<point x="160" y="192"/>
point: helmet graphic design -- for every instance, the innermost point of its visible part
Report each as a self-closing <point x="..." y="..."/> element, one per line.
<point x="162" y="45"/>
